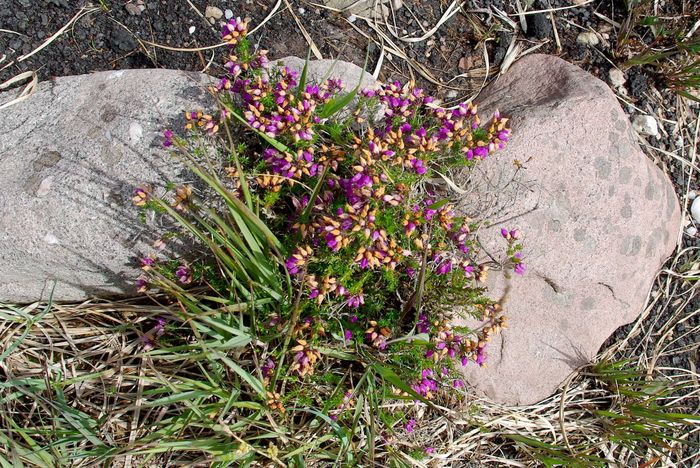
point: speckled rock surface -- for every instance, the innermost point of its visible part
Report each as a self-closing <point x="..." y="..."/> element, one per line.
<point x="70" y="157"/>
<point x="598" y="218"/>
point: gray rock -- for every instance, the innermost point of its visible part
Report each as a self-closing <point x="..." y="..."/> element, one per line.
<point x="598" y="220"/>
<point x="646" y="125"/>
<point x="70" y="157"/>
<point x="213" y="13"/>
<point x="134" y="9"/>
<point x="617" y="77"/>
<point x="319" y="70"/>
<point x="588" y="39"/>
<point x="695" y="210"/>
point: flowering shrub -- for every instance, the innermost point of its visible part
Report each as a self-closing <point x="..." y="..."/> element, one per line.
<point x="357" y="253"/>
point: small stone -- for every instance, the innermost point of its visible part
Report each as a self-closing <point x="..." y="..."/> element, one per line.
<point x="588" y="39"/>
<point x="44" y="187"/>
<point x="135" y="132"/>
<point x="695" y="210"/>
<point x="646" y="125"/>
<point x="192" y="29"/>
<point x="213" y="13"/>
<point x="301" y="10"/>
<point x="396" y="4"/>
<point x="133" y="9"/>
<point x="691" y="231"/>
<point x="51" y="239"/>
<point x="617" y="77"/>
<point x="692" y="195"/>
<point x="228" y="14"/>
<point x="465" y="63"/>
<point x="451" y="94"/>
<point x="352" y="18"/>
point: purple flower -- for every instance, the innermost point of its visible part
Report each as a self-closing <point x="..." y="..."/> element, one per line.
<point x="147" y="263"/>
<point x="299" y="258"/>
<point x="160" y="326"/>
<point x="480" y="356"/>
<point x="167" y="138"/>
<point x="519" y="269"/>
<point x="267" y="368"/>
<point x="348" y="335"/>
<point x="429" y="450"/>
<point x="234" y="31"/>
<point x="426" y="384"/>
<point x="141" y="285"/>
<point x="410" y="425"/>
<point x="356" y="300"/>
<point x="423" y="325"/>
<point x="184" y="274"/>
<point x="468" y="269"/>
<point x="444" y="267"/>
<point x="419" y="166"/>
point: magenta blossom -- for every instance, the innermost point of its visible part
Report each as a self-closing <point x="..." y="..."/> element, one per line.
<point x="184" y="274"/>
<point x="356" y="300"/>
<point x="410" y="425"/>
<point x="167" y="138"/>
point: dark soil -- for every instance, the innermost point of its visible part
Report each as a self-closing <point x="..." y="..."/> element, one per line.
<point x="113" y="38"/>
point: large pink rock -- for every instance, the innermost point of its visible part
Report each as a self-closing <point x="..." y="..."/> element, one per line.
<point x="598" y="218"/>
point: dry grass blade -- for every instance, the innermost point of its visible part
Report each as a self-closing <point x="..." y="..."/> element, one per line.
<point x="549" y="10"/>
<point x="7" y="31"/>
<point x="452" y="10"/>
<point x="27" y="91"/>
<point x="304" y="32"/>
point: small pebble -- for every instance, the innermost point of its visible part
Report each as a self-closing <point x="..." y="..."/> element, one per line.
<point x="50" y="239"/>
<point x="695" y="210"/>
<point x="646" y="125"/>
<point x="352" y="18"/>
<point x="301" y="10"/>
<point x="213" y="13"/>
<point x="691" y="231"/>
<point x="192" y="29"/>
<point x="228" y="14"/>
<point x="397" y="4"/>
<point x="617" y="77"/>
<point x="134" y="9"/>
<point x="692" y="195"/>
<point x="588" y="39"/>
<point x="451" y="94"/>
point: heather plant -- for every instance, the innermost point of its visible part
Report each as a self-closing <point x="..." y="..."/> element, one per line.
<point x="338" y="262"/>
